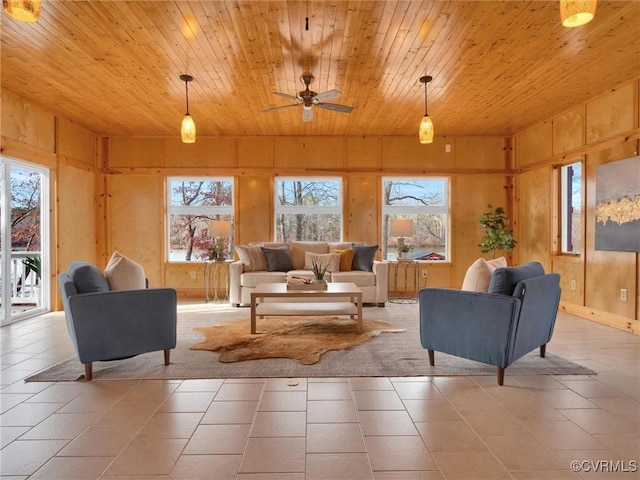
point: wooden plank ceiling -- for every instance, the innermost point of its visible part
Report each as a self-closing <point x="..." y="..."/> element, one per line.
<point x="497" y="66"/>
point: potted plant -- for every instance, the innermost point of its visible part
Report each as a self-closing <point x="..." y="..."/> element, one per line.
<point x="34" y="264"/>
<point x="498" y="236"/>
<point x="403" y="250"/>
<point x="318" y="272"/>
<point x="214" y="252"/>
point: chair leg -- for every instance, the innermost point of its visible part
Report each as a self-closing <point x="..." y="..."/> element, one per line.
<point x="500" y="376"/>
<point x="432" y="360"/>
<point x="88" y="371"/>
<point x="543" y="350"/>
<point x="167" y="354"/>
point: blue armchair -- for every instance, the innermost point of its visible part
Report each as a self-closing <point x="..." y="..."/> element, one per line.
<point x="515" y="317"/>
<point x="112" y="325"/>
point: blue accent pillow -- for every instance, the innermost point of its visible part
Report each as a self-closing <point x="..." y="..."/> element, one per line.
<point x="278" y="259"/>
<point x="88" y="278"/>
<point x="363" y="258"/>
<point x="505" y="279"/>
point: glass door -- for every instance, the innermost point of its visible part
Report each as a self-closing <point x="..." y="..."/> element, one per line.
<point x="24" y="256"/>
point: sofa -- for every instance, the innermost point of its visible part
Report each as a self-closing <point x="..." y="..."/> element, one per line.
<point x="278" y="262"/>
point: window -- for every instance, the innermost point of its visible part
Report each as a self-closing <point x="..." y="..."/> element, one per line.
<point x="424" y="201"/>
<point x="308" y="209"/>
<point x="571" y="208"/>
<point x="192" y="204"/>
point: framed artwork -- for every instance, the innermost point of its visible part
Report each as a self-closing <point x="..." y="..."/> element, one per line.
<point x="618" y="206"/>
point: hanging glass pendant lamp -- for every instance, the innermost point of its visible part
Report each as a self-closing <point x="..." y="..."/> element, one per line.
<point x="425" y="132"/>
<point x="188" y="128"/>
<point x="574" y="13"/>
<point x="23" y="10"/>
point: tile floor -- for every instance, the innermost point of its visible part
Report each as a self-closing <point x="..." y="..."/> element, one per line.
<point x="323" y="428"/>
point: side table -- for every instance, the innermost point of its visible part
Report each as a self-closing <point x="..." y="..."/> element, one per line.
<point x="213" y="270"/>
<point x="403" y="281"/>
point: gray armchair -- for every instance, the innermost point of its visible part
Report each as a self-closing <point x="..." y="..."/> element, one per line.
<point x="497" y="328"/>
<point x="111" y="325"/>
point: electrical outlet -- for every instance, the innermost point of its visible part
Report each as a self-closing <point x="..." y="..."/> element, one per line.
<point x="424" y="273"/>
<point x="623" y="294"/>
<point x="192" y="274"/>
<point x="573" y="284"/>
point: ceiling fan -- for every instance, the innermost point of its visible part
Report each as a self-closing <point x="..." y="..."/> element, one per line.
<point x="308" y="98"/>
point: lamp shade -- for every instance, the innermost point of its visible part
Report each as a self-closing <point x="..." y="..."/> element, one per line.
<point x="188" y="129"/>
<point x="574" y="13"/>
<point x="24" y="10"/>
<point x="425" y="132"/>
<point x="401" y="228"/>
<point x="220" y="228"/>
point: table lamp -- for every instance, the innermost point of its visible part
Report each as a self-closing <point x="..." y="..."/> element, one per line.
<point x="401" y="228"/>
<point x="220" y="229"/>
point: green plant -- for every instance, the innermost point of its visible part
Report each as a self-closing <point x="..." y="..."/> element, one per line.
<point x="318" y="270"/>
<point x="406" y="248"/>
<point x="33" y="264"/>
<point x="214" y="251"/>
<point x="497" y="234"/>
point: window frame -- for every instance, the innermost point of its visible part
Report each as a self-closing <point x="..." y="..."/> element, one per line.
<point x="564" y="203"/>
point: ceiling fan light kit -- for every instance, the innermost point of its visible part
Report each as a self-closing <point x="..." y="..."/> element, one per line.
<point x="575" y="13"/>
<point x="309" y="99"/>
<point x="425" y="131"/>
<point x="27" y="11"/>
<point x="188" y="127"/>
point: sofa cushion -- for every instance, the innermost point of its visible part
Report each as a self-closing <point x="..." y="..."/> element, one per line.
<point x="253" y="279"/>
<point x="299" y="248"/>
<point x="346" y="258"/>
<point x="278" y="259"/>
<point x="329" y="261"/>
<point x="364" y="256"/>
<point x="252" y="258"/>
<point x="87" y="278"/>
<point x="122" y="273"/>
<point x="359" y="277"/>
<point x="478" y="275"/>
<point x="505" y="279"/>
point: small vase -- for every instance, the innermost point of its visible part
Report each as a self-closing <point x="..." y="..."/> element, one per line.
<point x="319" y="280"/>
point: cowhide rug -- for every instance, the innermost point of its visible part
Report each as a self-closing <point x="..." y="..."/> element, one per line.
<point x="303" y="339"/>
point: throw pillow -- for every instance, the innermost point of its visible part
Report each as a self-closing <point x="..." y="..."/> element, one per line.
<point x="87" y="278"/>
<point x="478" y="275"/>
<point x="504" y="280"/>
<point x="252" y="258"/>
<point x="124" y="274"/>
<point x="330" y="261"/>
<point x="363" y="257"/>
<point x="346" y="258"/>
<point x="278" y="259"/>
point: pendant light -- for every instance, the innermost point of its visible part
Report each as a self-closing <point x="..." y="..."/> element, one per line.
<point x="23" y="10"/>
<point x="425" y="133"/>
<point x="574" y="13"/>
<point x="188" y="128"/>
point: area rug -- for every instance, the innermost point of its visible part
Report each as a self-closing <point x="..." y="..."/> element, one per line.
<point x="303" y="339"/>
<point x="385" y="355"/>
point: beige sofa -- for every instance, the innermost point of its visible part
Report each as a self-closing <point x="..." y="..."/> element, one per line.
<point x="245" y="274"/>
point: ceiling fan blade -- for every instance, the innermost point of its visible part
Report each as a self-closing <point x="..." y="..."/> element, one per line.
<point x="307" y="114"/>
<point x="287" y="96"/>
<point x="336" y="107"/>
<point x="321" y="97"/>
<point x="279" y="108"/>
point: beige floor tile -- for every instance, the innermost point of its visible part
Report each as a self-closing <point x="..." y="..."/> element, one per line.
<point x="431" y="410"/>
<point x="61" y="426"/>
<point x="192" y="467"/>
<point x="370" y="383"/>
<point x="386" y="422"/>
<point x="230" y="412"/>
<point x="378" y="400"/>
<point x="188" y="402"/>
<point x="625" y="445"/>
<point x="590" y="388"/>
<point x="24" y="457"/>
<point x="136" y="412"/>
<point x="279" y="424"/>
<point x="9" y="434"/>
<point x="417" y="390"/>
<point x="470" y="400"/>
<point x="270" y="476"/>
<point x="495" y="422"/>
<point x="600" y="465"/>
<point x="472" y="466"/>
<point x="239" y="391"/>
<point x="218" y="439"/>
<point x="564" y="435"/>
<point x="329" y="391"/>
<point x="621" y="407"/>
<point x="200" y="385"/>
<point x="28" y="414"/>
<point x="59" y="393"/>
<point x="523" y="452"/>
<point x="331" y="411"/>
<point x="73" y="468"/>
<point x="399" y="453"/>
<point x="565" y="399"/>
<point x="170" y="425"/>
<point x="338" y="466"/>
<point x="283" y="401"/>
<point x="598" y="421"/>
<point x="334" y="438"/>
<point x="286" y="384"/>
<point x="423" y="475"/>
<point x="450" y="437"/>
<point x="148" y="457"/>
<point x="546" y="474"/>
<point x="10" y="400"/>
<point x="271" y="455"/>
<point x="100" y="441"/>
<point x="26" y="387"/>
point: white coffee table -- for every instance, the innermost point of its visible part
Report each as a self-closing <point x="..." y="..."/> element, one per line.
<point x="348" y="296"/>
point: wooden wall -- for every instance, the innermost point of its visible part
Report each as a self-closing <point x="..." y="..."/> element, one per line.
<point x="603" y="130"/>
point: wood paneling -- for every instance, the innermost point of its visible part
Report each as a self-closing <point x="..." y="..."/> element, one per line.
<point x="611" y="113"/>
<point x="400" y="154"/>
<point x="312" y="153"/>
<point x="481" y="153"/>
<point x="361" y="209"/>
<point x="254" y="209"/>
<point x="255" y="153"/>
<point x="76" y="142"/>
<point x="130" y="152"/>
<point x="568" y="130"/>
<point x="206" y="152"/>
<point x="571" y="273"/>
<point x="364" y="153"/>
<point x="26" y="123"/>
<point x="534" y="144"/>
